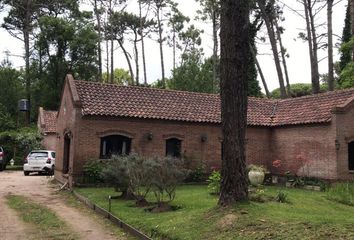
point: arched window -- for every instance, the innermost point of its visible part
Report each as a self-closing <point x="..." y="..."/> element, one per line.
<point x="115" y="145"/>
<point x="173" y="147"/>
<point x="351" y="155"/>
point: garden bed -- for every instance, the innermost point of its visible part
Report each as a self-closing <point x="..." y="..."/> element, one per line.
<point x="309" y="215"/>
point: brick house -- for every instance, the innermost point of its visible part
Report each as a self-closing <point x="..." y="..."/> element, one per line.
<point x="47" y="125"/>
<point x="312" y="135"/>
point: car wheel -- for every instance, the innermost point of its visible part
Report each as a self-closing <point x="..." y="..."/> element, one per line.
<point x="51" y="173"/>
<point x="26" y="173"/>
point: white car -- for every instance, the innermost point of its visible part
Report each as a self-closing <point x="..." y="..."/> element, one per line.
<point x="41" y="161"/>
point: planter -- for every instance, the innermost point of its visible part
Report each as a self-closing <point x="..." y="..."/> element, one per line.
<point x="274" y="179"/>
<point x="256" y="177"/>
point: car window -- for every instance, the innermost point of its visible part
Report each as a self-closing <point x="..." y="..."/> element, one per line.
<point x="38" y="155"/>
<point x="53" y="154"/>
<point x="1" y="150"/>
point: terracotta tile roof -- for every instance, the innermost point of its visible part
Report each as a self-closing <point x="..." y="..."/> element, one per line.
<point x="50" y="121"/>
<point x="140" y="102"/>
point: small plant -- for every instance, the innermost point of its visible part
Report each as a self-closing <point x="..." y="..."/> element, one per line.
<point x="282" y="197"/>
<point x="258" y="168"/>
<point x="214" y="181"/>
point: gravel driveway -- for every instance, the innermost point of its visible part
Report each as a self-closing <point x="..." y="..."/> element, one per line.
<point x="39" y="190"/>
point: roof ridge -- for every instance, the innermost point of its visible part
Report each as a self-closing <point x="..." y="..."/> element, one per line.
<point x="150" y="88"/>
<point x="337" y="91"/>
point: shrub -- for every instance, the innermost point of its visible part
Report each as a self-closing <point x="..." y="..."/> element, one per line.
<point x="167" y="173"/>
<point x="93" y="171"/>
<point x="115" y="173"/>
<point x="256" y="168"/>
<point x="342" y="193"/>
<point x="197" y="175"/>
<point x="214" y="181"/>
<point x="135" y="176"/>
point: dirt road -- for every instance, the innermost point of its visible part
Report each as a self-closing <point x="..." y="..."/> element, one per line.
<point x="39" y="190"/>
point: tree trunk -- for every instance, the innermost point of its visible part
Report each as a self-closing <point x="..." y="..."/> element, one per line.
<point x="282" y="51"/>
<point x="330" y="46"/>
<point x="99" y="52"/>
<point x="260" y="72"/>
<point x="174" y="46"/>
<point x="127" y="58"/>
<point x="142" y="42"/>
<point x="26" y="32"/>
<point x="273" y="42"/>
<point x="312" y="41"/>
<point x="161" y="47"/>
<point x="235" y="58"/>
<point x="136" y="59"/>
<point x="112" y="44"/>
<point x="352" y="21"/>
<point x="215" y="50"/>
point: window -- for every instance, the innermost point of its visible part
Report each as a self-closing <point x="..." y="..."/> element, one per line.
<point x="173" y="147"/>
<point x="351" y="155"/>
<point x="115" y="145"/>
<point x="53" y="154"/>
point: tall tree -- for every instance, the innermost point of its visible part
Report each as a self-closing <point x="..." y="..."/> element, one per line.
<point x="159" y="6"/>
<point x="346" y="53"/>
<point x="98" y="12"/>
<point x="268" y="15"/>
<point x="235" y="58"/>
<point x="20" y="23"/>
<point x="330" y="46"/>
<point x="211" y="10"/>
<point x="309" y="7"/>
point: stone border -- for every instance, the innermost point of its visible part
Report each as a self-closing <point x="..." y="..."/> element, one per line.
<point x="116" y="221"/>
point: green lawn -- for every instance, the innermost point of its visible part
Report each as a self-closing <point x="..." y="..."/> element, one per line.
<point x="309" y="215"/>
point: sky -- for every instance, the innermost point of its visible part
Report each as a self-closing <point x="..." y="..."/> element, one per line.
<point x="298" y="61"/>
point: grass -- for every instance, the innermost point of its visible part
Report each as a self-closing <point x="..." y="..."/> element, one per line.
<point x="309" y="215"/>
<point x="43" y="222"/>
<point x="342" y="192"/>
<point x="14" y="167"/>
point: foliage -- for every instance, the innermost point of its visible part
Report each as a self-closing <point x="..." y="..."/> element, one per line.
<point x="342" y="192"/>
<point x="45" y="223"/>
<point x="6" y="121"/>
<point x="93" y="170"/>
<point x="121" y="77"/>
<point x="115" y="173"/>
<point x="347" y="76"/>
<point x="197" y="175"/>
<point x="134" y="174"/>
<point x="167" y="173"/>
<point x="299" y="90"/>
<point x="214" y="181"/>
<point x="193" y="75"/>
<point x="23" y="140"/>
<point x="346" y="53"/>
<point x="259" y="168"/>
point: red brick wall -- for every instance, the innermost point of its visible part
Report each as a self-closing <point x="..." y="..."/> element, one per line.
<point x="345" y="134"/>
<point x="67" y="122"/>
<point x="306" y="150"/>
<point x="196" y="152"/>
<point x="49" y="141"/>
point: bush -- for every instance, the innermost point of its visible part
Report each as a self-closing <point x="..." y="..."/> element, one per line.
<point x="167" y="173"/>
<point x="115" y="173"/>
<point x="93" y="171"/>
<point x="342" y="193"/>
<point x="197" y="175"/>
<point x="135" y="176"/>
<point x="214" y="181"/>
<point x="23" y="140"/>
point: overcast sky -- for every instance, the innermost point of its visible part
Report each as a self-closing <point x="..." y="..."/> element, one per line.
<point x="298" y="62"/>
